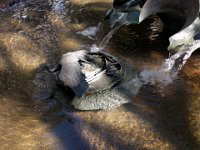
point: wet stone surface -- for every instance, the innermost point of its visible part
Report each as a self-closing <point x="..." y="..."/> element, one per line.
<point x="36" y="32"/>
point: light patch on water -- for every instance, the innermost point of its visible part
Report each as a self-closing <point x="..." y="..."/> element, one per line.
<point x="94" y="48"/>
<point x="71" y="43"/>
<point x="20" y="11"/>
<point x="3" y="63"/>
<point x="59" y="7"/>
<point x="155" y="76"/>
<point x="89" y="32"/>
<point x="17" y="46"/>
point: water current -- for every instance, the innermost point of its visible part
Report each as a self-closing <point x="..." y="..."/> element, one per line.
<point x="163" y="115"/>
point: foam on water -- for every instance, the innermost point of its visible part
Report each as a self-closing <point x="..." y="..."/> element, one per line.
<point x="153" y="77"/>
<point x="20" y="10"/>
<point x="175" y="62"/>
<point x="94" y="48"/>
<point x="166" y="73"/>
<point x="89" y="32"/>
<point x="170" y="68"/>
<point x="163" y="75"/>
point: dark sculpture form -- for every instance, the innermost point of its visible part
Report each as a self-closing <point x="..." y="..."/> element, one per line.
<point x="98" y="80"/>
<point x="179" y="16"/>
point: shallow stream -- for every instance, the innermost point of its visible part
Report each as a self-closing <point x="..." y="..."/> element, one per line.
<point x="160" y="116"/>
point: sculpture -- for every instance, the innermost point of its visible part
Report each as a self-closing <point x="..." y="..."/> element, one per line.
<point x="179" y="16"/>
<point x="101" y="81"/>
<point x="98" y="80"/>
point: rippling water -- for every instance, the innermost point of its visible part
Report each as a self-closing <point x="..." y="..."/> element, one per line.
<point x="36" y="32"/>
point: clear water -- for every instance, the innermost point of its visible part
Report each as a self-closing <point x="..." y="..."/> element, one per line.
<point x="107" y="38"/>
<point x="161" y="116"/>
<point x="91" y="32"/>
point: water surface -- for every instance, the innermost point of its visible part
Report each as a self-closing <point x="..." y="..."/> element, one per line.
<point x="37" y="32"/>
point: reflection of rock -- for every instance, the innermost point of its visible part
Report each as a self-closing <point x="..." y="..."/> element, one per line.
<point x="107" y="77"/>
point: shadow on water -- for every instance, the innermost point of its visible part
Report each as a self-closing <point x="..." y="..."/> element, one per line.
<point x="14" y="78"/>
<point x="69" y="136"/>
<point x="62" y="127"/>
<point x="109" y="138"/>
<point x="170" y="117"/>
